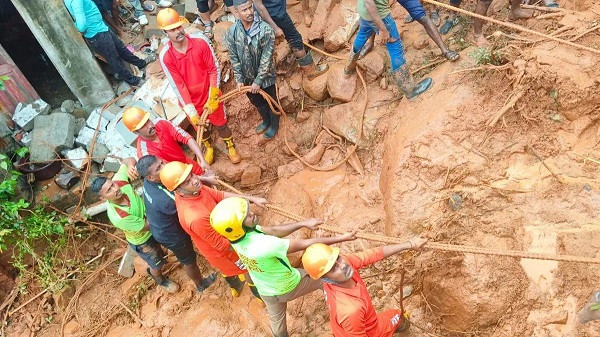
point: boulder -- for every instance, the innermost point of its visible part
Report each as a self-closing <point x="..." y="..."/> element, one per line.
<point x="281" y="52"/>
<point x="289" y="169"/>
<point x="317" y="87"/>
<point x="220" y="34"/>
<point x="341" y="120"/>
<point x="251" y="176"/>
<point x="228" y="171"/>
<point x="320" y="19"/>
<point x="339" y="86"/>
<point x="286" y="97"/>
<point x="341" y="24"/>
<point x="374" y="64"/>
<point x="314" y="155"/>
<point x="25" y="114"/>
<point x="77" y="157"/>
<point x="67" y="106"/>
<point x="53" y="133"/>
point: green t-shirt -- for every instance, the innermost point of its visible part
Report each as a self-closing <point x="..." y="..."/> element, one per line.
<point x="129" y="219"/>
<point x="265" y="256"/>
<point x="383" y="7"/>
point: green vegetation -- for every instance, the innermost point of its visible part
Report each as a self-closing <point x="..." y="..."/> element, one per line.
<point x="483" y="56"/>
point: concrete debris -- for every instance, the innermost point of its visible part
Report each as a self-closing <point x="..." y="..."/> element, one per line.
<point x="79" y="125"/>
<point x="84" y="138"/>
<point x="92" y="120"/>
<point x="25" y="114"/>
<point x="77" y="157"/>
<point x="123" y="86"/>
<point x="67" y="106"/>
<point x="5" y="131"/>
<point x="110" y="165"/>
<point x="26" y="139"/>
<point x="124" y="101"/>
<point x="100" y="152"/>
<point x="54" y="133"/>
<point x="67" y="179"/>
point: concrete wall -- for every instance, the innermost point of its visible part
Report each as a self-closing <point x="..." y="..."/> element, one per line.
<point x="53" y="27"/>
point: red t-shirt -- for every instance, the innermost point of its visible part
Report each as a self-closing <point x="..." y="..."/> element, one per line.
<point x="194" y="217"/>
<point x="167" y="148"/>
<point x="351" y="311"/>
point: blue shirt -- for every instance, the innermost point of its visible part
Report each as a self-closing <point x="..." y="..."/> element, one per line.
<point x="88" y="19"/>
<point x="162" y="214"/>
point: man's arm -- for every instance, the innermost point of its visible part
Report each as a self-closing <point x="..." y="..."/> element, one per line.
<point x="175" y="79"/>
<point x="287" y="229"/>
<point x="198" y="152"/>
<point x="79" y="16"/>
<point x="258" y="201"/>
<point x="297" y="245"/>
<point x="266" y="56"/>
<point x="264" y="14"/>
<point x="413" y="243"/>
<point x="372" y="10"/>
<point x="132" y="172"/>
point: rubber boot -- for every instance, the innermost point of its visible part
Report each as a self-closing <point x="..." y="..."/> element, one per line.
<point x="350" y="67"/>
<point x="265" y="114"/>
<point x="234" y="156"/>
<point x="207" y="282"/>
<point x="235" y="284"/>
<point x="310" y="68"/>
<point x="209" y="151"/>
<point x="274" y="127"/>
<point x="254" y="291"/>
<point x="168" y="285"/>
<point x="407" y="84"/>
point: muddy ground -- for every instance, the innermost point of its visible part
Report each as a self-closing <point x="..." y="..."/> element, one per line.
<point x="435" y="167"/>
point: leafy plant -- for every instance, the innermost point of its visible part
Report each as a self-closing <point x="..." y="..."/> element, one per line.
<point x="3" y="79"/>
<point x="483" y="56"/>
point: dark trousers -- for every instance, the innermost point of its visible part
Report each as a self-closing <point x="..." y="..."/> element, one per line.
<point x="292" y="36"/>
<point x="114" y="51"/>
<point x="258" y="101"/>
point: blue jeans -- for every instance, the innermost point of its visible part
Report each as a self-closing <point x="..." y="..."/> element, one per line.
<point x="413" y="7"/>
<point x="395" y="49"/>
<point x="137" y="7"/>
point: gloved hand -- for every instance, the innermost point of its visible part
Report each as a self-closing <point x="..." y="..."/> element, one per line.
<point x="192" y="113"/>
<point x="212" y="103"/>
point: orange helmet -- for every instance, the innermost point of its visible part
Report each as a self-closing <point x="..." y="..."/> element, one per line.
<point x="319" y="258"/>
<point x="134" y="118"/>
<point x="174" y="173"/>
<point x="168" y="19"/>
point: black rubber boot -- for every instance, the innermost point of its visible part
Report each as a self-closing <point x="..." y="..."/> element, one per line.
<point x="274" y="127"/>
<point x="207" y="282"/>
<point x="310" y="68"/>
<point x="407" y="84"/>
<point x="265" y="114"/>
<point x="350" y="67"/>
<point x="235" y="284"/>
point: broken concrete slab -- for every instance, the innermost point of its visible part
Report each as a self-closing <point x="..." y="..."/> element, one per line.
<point x="84" y="137"/>
<point x="92" y="120"/>
<point x="110" y="165"/>
<point x="25" y="114"/>
<point x="53" y="133"/>
<point x="99" y="153"/>
<point x="77" y="157"/>
<point x="79" y="125"/>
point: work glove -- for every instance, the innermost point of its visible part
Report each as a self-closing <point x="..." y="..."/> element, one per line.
<point x="192" y="113"/>
<point x="212" y="103"/>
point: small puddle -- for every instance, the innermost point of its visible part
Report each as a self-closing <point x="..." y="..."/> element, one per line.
<point x="540" y="272"/>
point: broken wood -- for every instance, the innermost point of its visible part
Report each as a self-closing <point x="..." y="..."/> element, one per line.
<point x="577" y="37"/>
<point x="136" y="317"/>
<point x="491" y="122"/>
<point x="587" y="158"/>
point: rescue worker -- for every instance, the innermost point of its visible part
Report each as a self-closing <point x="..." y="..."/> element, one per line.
<point x="193" y="71"/>
<point x="351" y="311"/>
<point x="126" y="211"/>
<point x="264" y="253"/>
<point x="164" y="222"/>
<point x="375" y="17"/>
<point x="250" y="44"/>
<point x="89" y="23"/>
<point x="161" y="139"/>
<point x="194" y="203"/>
<point x="274" y="12"/>
<point x="591" y="310"/>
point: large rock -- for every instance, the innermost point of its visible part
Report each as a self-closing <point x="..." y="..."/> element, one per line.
<point x="286" y="97"/>
<point x="220" y="34"/>
<point x="343" y="22"/>
<point x="100" y="152"/>
<point x="320" y="19"/>
<point x="342" y="121"/>
<point x="251" y="176"/>
<point x="52" y="134"/>
<point x="25" y="114"/>
<point x="5" y="131"/>
<point x="228" y="171"/>
<point x="339" y="86"/>
<point x="316" y="88"/>
<point x="374" y="64"/>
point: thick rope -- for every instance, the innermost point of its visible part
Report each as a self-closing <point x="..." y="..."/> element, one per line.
<point x="513" y="26"/>
<point x="433" y="245"/>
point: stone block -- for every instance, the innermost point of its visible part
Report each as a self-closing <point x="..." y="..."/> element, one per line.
<point x="25" y="114"/>
<point x="67" y="106"/>
<point x="5" y="131"/>
<point x="100" y="152"/>
<point x="77" y="157"/>
<point x="110" y="165"/>
<point x="339" y="86"/>
<point x="92" y="120"/>
<point x="79" y="125"/>
<point x="84" y="137"/>
<point x="341" y="120"/>
<point x="286" y="97"/>
<point x="251" y="176"/>
<point x="53" y="133"/>
<point x="320" y="19"/>
<point x="316" y="88"/>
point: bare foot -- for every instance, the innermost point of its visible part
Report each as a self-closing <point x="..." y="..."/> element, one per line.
<point x="480" y="40"/>
<point x="520" y="14"/>
<point x="307" y="20"/>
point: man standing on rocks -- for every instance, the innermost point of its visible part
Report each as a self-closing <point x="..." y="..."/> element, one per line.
<point x="89" y="23"/>
<point x="193" y="71"/>
<point x="126" y="211"/>
<point x="250" y="44"/>
<point x="264" y="253"/>
<point x="164" y="222"/>
<point x="375" y="17"/>
<point x="274" y="12"/>
<point x="161" y="139"/>
<point x="194" y="203"/>
<point x="351" y="311"/>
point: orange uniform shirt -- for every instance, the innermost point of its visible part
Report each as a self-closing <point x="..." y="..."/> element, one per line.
<point x="194" y="217"/>
<point x="351" y="311"/>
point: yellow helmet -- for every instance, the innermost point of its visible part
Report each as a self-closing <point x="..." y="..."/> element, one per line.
<point x="318" y="259"/>
<point x="228" y="216"/>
